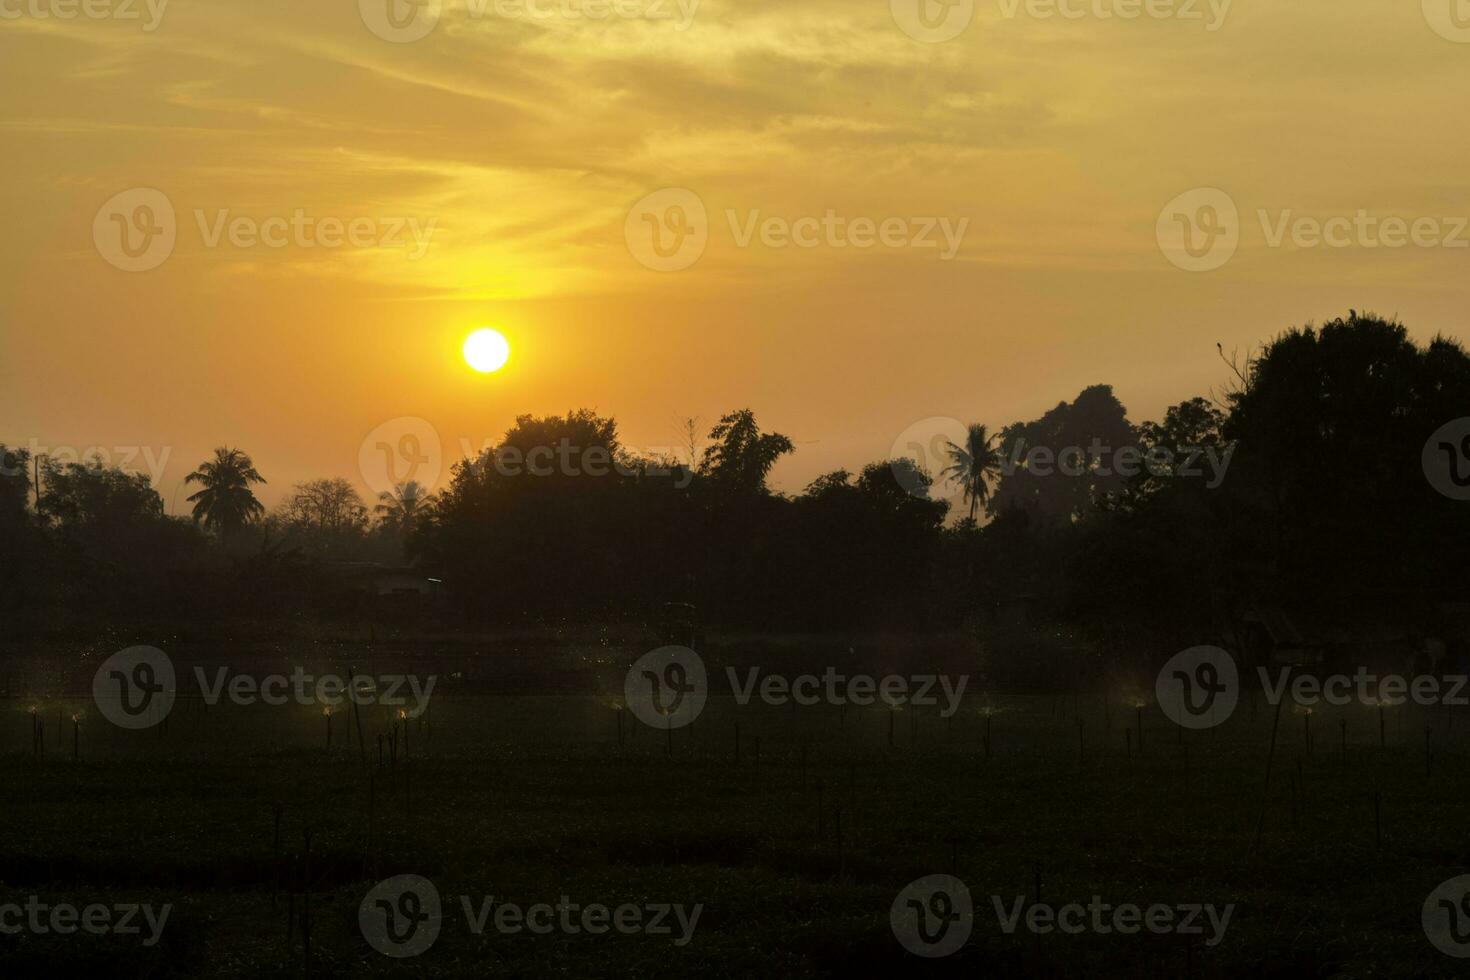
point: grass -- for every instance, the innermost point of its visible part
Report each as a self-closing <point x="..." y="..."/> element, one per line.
<point x="528" y="798"/>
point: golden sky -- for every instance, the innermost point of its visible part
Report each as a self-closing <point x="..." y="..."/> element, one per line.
<point x="523" y="136"/>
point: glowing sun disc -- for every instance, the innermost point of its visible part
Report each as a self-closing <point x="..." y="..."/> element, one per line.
<point x="486" y="350"/>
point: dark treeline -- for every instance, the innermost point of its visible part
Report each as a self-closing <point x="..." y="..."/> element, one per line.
<point x="1299" y="483"/>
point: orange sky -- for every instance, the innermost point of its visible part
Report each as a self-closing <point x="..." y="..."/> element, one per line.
<point x="526" y="138"/>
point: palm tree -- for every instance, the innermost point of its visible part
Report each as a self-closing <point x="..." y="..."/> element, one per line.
<point x="974" y="464"/>
<point x="226" y="503"/>
<point x="404" y="506"/>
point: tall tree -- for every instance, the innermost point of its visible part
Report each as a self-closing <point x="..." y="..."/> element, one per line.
<point x="1058" y="466"/>
<point x="404" y="507"/>
<point x="742" y="455"/>
<point x="15" y="484"/>
<point x="93" y="495"/>
<point x="325" y="507"/>
<point x="226" y="503"/>
<point x="974" y="465"/>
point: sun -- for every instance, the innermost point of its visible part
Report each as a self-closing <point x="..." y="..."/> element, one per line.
<point x="486" y="350"/>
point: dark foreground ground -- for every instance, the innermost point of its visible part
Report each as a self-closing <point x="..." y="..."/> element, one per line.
<point x="796" y="854"/>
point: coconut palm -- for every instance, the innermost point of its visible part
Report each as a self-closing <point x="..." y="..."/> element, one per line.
<point x="226" y="502"/>
<point x="404" y="506"/>
<point x="974" y="464"/>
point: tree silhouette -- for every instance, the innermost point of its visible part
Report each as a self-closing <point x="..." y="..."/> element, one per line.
<point x="404" y="507"/>
<point x="974" y="464"/>
<point x="329" y="506"/>
<point x="1079" y="436"/>
<point x="226" y="503"/>
<point x="742" y="455"/>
